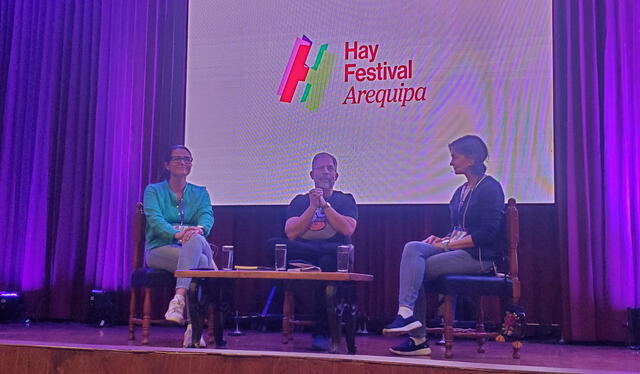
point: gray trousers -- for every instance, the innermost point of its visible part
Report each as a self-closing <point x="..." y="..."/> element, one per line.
<point x="422" y="261"/>
<point x="196" y="253"/>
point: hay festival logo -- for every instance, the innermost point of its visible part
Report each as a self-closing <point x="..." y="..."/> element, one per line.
<point x="316" y="77"/>
<point x="362" y="64"/>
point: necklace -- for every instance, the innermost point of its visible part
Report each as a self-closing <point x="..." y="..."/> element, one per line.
<point x="468" y="194"/>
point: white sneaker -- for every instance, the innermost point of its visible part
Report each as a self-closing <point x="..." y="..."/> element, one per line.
<point x="186" y="342"/>
<point x="175" y="313"/>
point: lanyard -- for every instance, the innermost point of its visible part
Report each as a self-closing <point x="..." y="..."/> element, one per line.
<point x="468" y="200"/>
<point x="180" y="207"/>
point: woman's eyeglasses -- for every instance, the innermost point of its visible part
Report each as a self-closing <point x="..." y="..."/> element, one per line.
<point x="186" y="159"/>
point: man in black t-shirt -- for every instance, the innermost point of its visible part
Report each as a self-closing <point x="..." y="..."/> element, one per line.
<point x="317" y="223"/>
<point x="320" y="220"/>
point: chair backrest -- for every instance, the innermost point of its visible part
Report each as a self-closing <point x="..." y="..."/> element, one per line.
<point x="513" y="238"/>
<point x="137" y="236"/>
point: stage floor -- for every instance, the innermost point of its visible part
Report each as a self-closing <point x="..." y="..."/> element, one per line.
<point x="375" y="347"/>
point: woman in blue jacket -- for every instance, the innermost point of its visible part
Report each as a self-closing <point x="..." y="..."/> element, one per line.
<point x="474" y="242"/>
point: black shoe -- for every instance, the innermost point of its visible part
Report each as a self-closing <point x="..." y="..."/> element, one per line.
<point x="401" y="325"/>
<point x="409" y="348"/>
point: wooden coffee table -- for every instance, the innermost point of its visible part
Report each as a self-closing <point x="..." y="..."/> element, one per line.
<point x="208" y="283"/>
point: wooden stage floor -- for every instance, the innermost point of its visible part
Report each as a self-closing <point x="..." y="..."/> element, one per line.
<point x="20" y="344"/>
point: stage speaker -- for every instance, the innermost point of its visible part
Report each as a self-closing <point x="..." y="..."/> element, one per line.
<point x="633" y="323"/>
<point x="11" y="309"/>
<point x="101" y="308"/>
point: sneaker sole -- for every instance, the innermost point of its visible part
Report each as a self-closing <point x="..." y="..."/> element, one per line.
<point x="402" y="330"/>
<point x="417" y="352"/>
<point x="186" y="341"/>
<point x="175" y="319"/>
<point x="203" y="344"/>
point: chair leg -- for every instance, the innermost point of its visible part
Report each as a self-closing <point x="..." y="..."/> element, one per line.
<point x="516" y="345"/>
<point x="480" y="324"/>
<point x="448" y="327"/>
<point x="287" y="315"/>
<point x="210" y="324"/>
<point x="132" y="313"/>
<point x="146" y="315"/>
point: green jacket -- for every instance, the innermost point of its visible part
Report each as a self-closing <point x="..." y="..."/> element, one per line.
<point x="162" y="210"/>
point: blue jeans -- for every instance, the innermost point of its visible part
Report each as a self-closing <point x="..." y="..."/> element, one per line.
<point x="196" y="253"/>
<point x="422" y="261"/>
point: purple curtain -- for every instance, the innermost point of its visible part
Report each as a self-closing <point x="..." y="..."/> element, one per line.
<point x="88" y="94"/>
<point x="597" y="46"/>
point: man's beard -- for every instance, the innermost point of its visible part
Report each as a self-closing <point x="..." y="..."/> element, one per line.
<point x="324" y="183"/>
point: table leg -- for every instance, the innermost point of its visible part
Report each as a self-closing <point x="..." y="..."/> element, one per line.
<point x="287" y="314"/>
<point x="332" y="315"/>
<point x="202" y="293"/>
<point x="193" y="304"/>
<point x="218" y="313"/>
<point x="349" y="318"/>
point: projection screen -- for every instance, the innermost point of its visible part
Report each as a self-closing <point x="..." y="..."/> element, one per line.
<point x="382" y="85"/>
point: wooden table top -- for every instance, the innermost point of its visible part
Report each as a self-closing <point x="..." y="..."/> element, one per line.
<point x="269" y="274"/>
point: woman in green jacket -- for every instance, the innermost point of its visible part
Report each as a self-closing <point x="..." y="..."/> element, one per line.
<point x="179" y="218"/>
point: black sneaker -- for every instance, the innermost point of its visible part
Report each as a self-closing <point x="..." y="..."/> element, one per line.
<point x="401" y="325"/>
<point x="409" y="348"/>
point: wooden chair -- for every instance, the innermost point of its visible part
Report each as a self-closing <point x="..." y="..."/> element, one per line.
<point x="289" y="321"/>
<point x="147" y="280"/>
<point x="506" y="286"/>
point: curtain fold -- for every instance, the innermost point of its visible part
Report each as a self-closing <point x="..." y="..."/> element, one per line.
<point x="621" y="122"/>
<point x="79" y="98"/>
<point x="597" y="96"/>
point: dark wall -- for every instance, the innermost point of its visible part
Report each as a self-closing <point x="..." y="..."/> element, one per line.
<point x="379" y="239"/>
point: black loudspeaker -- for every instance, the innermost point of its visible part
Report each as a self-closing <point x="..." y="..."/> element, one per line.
<point x="11" y="309"/>
<point x="633" y="323"/>
<point x="101" y="308"/>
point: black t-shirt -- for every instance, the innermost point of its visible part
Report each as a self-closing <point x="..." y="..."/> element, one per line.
<point x="320" y="229"/>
